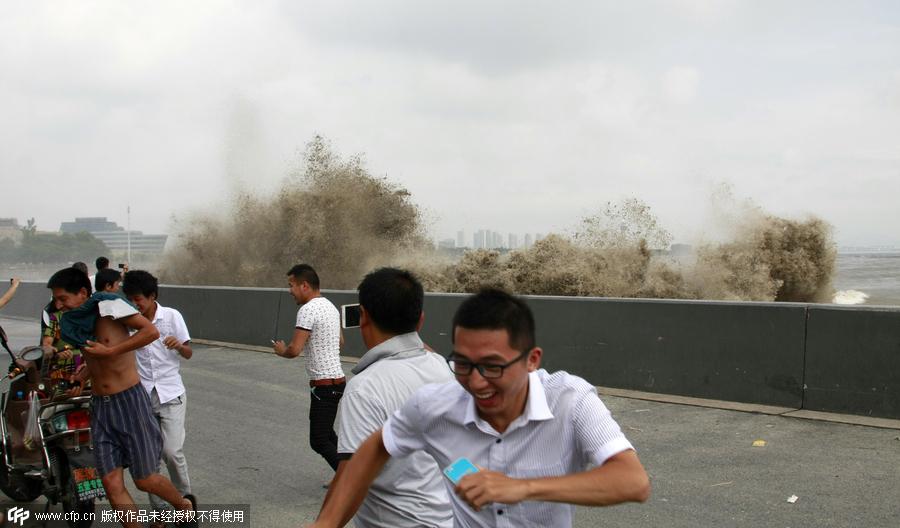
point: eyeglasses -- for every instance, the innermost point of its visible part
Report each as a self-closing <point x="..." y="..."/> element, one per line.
<point x="461" y="367"/>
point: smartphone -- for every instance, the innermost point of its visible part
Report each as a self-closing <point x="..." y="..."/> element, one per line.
<point x="121" y="266"/>
<point x="349" y="315"/>
<point x="459" y="469"/>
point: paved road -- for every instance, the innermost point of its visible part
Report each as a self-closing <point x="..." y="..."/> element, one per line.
<point x="247" y="444"/>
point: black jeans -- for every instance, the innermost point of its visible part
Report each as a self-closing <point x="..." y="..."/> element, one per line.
<point x="323" y="409"/>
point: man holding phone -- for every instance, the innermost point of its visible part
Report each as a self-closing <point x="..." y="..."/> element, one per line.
<point x="409" y="491"/>
<point x="318" y="335"/>
<point x="539" y="441"/>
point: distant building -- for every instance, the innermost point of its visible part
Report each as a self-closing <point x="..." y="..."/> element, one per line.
<point x="10" y="228"/>
<point x="478" y="239"/>
<point x="496" y="240"/>
<point x="528" y="240"/>
<point x="114" y="236"/>
<point x="513" y="241"/>
<point x="447" y="243"/>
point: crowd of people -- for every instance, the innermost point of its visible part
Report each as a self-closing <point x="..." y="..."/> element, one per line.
<point x="129" y="353"/>
<point x="480" y="436"/>
<point x="530" y="443"/>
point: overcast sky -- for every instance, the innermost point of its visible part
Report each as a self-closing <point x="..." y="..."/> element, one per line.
<point x="516" y="116"/>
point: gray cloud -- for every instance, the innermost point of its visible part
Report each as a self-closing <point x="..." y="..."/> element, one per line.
<point x="502" y="115"/>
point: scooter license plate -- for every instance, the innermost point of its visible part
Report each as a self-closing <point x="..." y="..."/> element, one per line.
<point x="88" y="484"/>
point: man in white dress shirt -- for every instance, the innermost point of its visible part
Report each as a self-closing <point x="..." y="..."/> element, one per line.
<point x="159" y="365"/>
<point x="541" y="441"/>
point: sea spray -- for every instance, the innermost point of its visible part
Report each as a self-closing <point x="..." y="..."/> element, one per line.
<point x="333" y="214"/>
<point x="329" y="212"/>
<point x="770" y="258"/>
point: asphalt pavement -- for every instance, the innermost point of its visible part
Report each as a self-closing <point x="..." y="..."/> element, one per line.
<point x="247" y="444"/>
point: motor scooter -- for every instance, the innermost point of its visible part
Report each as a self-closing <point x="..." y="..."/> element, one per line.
<point x="56" y="460"/>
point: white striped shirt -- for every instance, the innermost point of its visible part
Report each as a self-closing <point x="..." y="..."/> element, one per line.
<point x="564" y="429"/>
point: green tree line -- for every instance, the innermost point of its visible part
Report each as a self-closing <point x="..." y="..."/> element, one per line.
<point x="50" y="248"/>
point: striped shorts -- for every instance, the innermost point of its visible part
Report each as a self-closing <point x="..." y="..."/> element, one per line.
<point x="125" y="433"/>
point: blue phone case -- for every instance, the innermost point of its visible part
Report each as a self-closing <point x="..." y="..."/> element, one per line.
<point x="459" y="469"/>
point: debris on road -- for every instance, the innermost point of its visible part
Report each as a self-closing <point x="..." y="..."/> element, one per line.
<point x="759" y="443"/>
<point x="793" y="498"/>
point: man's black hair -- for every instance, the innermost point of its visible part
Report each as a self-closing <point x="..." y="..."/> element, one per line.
<point x="393" y="299"/>
<point x="493" y="309"/>
<point x="101" y="263"/>
<point x="70" y="279"/>
<point x="105" y="277"/>
<point x="305" y="273"/>
<point x="140" y="282"/>
<point x="81" y="266"/>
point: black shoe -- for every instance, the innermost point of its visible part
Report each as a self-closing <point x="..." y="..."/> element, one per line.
<point x="191" y="522"/>
<point x="193" y="499"/>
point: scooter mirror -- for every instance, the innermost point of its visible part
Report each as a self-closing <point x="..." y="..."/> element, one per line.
<point x="45" y="317"/>
<point x="32" y="353"/>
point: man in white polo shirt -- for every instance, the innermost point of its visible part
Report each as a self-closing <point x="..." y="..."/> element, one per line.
<point x="540" y="441"/>
<point x="159" y="365"/>
<point x="317" y="334"/>
<point x="409" y="492"/>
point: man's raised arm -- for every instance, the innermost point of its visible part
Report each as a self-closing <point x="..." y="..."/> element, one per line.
<point x="351" y="485"/>
<point x="13" y="286"/>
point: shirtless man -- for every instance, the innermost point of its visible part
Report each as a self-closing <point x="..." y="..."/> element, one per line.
<point x="99" y="325"/>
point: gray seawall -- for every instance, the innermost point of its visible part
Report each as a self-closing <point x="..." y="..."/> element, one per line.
<point x="804" y="356"/>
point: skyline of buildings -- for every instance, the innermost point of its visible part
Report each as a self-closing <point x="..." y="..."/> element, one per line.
<point x="116" y="237"/>
<point x="489" y="239"/>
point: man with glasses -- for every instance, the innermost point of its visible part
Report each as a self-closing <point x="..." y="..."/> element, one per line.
<point x="541" y="441"/>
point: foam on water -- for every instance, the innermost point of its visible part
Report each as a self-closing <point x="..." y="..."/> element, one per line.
<point x="849" y="297"/>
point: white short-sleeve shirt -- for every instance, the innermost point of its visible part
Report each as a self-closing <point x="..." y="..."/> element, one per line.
<point x="323" y="346"/>
<point x="564" y="429"/>
<point x="159" y="366"/>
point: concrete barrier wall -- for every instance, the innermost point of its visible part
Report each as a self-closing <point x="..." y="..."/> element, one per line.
<point x="234" y="315"/>
<point x="853" y="361"/>
<point x="739" y="352"/>
<point x="747" y="352"/>
<point x="848" y="358"/>
<point x="30" y="299"/>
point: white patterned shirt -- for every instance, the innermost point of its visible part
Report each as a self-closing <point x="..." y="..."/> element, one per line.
<point x="323" y="346"/>
<point x="564" y="429"/>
